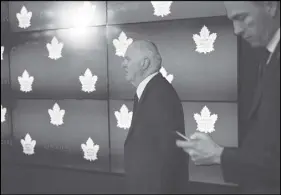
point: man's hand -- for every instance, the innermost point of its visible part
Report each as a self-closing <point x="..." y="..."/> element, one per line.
<point x="202" y="149"/>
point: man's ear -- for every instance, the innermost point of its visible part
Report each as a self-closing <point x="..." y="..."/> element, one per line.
<point x="145" y="63"/>
<point x="271" y="7"/>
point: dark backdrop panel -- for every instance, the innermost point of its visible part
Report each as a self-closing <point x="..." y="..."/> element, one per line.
<point x="4" y="11"/>
<point x="120" y="12"/>
<point x="21" y="179"/>
<point x="57" y="14"/>
<point x="4" y="58"/>
<point x="43" y="180"/>
<point x="225" y="134"/>
<point x="117" y="135"/>
<point x="61" y="145"/>
<point x="6" y="125"/>
<point x="4" y="43"/>
<point x="60" y="78"/>
<point x="197" y="76"/>
<point x="4" y="22"/>
<point x="5" y="68"/>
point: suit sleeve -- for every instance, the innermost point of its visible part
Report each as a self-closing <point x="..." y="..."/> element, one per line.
<point x="259" y="156"/>
<point x="241" y="165"/>
<point x="170" y="164"/>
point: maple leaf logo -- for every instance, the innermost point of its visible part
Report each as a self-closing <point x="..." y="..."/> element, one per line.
<point x="88" y="81"/>
<point x="90" y="150"/>
<point x="204" y="42"/>
<point x="3" y="114"/>
<point x="121" y="44"/>
<point x="28" y="145"/>
<point x="169" y="77"/>
<point x="56" y="115"/>
<point x="161" y="8"/>
<point x="24" y="18"/>
<point x="2" y="52"/>
<point x="124" y="117"/>
<point x="205" y="121"/>
<point x="54" y="49"/>
<point x="25" y="82"/>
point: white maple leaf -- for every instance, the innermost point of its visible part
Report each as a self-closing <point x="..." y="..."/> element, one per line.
<point x="169" y="77"/>
<point x="204" y="42"/>
<point x="121" y="44"/>
<point x="56" y="115"/>
<point x="161" y="8"/>
<point x="205" y="121"/>
<point x="28" y="145"/>
<point x="25" y="82"/>
<point x="124" y="117"/>
<point x="24" y="18"/>
<point x="3" y="114"/>
<point x="55" y="49"/>
<point x="2" y="52"/>
<point x="90" y="150"/>
<point x="88" y="81"/>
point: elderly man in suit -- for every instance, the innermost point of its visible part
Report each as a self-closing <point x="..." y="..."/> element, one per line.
<point x="153" y="162"/>
<point x="255" y="166"/>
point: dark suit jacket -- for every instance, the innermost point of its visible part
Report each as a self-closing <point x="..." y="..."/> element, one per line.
<point x="153" y="163"/>
<point x="255" y="166"/>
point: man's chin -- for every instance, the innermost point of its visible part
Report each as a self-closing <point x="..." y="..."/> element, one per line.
<point x="133" y="83"/>
<point x="129" y="80"/>
<point x="254" y="44"/>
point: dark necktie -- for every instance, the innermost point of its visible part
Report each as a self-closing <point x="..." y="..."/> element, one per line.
<point x="264" y="56"/>
<point x="136" y="101"/>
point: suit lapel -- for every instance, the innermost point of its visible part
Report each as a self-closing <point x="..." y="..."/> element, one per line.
<point x="138" y="108"/>
<point x="257" y="99"/>
<point x="259" y="90"/>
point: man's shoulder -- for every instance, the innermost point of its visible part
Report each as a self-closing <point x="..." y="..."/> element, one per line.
<point x="161" y="85"/>
<point x="163" y="91"/>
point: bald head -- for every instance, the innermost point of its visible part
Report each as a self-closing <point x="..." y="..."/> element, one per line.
<point x="142" y="59"/>
<point x="147" y="50"/>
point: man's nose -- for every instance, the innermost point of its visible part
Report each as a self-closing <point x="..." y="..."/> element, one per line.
<point x="238" y="29"/>
<point x="123" y="64"/>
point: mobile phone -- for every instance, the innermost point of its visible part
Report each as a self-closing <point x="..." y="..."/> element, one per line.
<point x="181" y="135"/>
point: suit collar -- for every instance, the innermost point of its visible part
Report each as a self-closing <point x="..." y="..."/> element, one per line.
<point x="274" y="42"/>
<point x="143" y="84"/>
<point x="274" y="46"/>
<point x="275" y="55"/>
<point x="148" y="86"/>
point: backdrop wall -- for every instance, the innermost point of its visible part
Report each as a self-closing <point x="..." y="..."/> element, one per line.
<point x="201" y="79"/>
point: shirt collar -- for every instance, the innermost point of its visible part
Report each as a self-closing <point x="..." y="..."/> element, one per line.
<point x="274" y="41"/>
<point x="143" y="84"/>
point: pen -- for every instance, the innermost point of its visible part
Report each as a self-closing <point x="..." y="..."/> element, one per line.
<point x="184" y="137"/>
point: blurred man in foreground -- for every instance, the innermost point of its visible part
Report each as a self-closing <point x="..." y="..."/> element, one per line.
<point x="255" y="166"/>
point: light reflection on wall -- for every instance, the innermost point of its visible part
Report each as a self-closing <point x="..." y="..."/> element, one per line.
<point x="80" y="36"/>
<point x="80" y="16"/>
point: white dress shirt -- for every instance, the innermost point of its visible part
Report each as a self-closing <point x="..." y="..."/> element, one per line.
<point x="143" y="84"/>
<point x="273" y="44"/>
